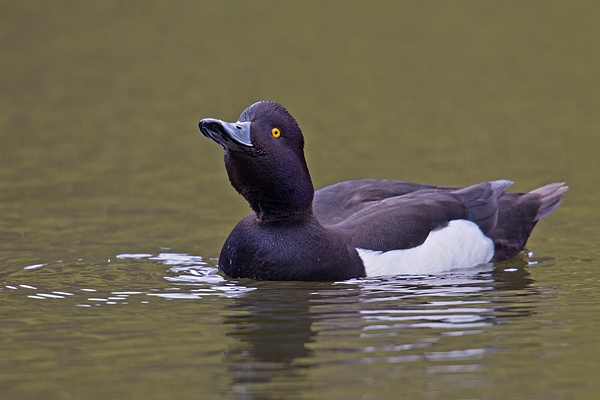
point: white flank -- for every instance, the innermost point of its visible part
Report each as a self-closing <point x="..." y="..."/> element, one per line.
<point x="460" y="244"/>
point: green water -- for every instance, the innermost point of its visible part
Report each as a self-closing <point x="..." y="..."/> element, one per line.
<point x="113" y="208"/>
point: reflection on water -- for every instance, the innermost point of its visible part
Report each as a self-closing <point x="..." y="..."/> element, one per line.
<point x="284" y="329"/>
<point x="286" y="338"/>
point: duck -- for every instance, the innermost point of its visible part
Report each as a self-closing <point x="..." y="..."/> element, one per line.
<point x="360" y="228"/>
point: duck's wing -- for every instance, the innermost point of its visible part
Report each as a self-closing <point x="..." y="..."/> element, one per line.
<point x="405" y="221"/>
<point x="335" y="203"/>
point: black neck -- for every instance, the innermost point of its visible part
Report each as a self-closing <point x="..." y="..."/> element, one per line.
<point x="274" y="193"/>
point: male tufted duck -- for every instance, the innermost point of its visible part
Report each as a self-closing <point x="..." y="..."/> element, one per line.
<point x="357" y="228"/>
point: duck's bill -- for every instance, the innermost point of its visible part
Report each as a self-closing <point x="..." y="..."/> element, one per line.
<point x="228" y="135"/>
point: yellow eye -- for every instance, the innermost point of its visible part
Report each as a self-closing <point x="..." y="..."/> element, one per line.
<point x="275" y="132"/>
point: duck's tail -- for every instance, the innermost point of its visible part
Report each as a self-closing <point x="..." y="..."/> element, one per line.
<point x="517" y="215"/>
<point x="550" y="197"/>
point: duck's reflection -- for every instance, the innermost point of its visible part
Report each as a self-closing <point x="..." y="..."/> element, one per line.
<point x="273" y="328"/>
<point x="273" y="324"/>
<point x="276" y="323"/>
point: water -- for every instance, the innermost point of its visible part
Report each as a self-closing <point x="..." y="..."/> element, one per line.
<point x="168" y="326"/>
<point x="113" y="208"/>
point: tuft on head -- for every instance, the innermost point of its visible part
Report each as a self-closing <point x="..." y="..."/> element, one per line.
<point x="265" y="107"/>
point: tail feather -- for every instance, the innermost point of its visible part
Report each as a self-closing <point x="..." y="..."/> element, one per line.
<point x="550" y="198"/>
<point x="518" y="214"/>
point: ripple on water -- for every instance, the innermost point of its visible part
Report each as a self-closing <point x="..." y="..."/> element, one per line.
<point x="187" y="277"/>
<point x="180" y="276"/>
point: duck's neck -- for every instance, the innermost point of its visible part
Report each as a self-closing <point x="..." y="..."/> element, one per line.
<point x="274" y="194"/>
<point x="268" y="214"/>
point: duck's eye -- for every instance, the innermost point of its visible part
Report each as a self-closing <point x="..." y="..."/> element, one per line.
<point x="275" y="132"/>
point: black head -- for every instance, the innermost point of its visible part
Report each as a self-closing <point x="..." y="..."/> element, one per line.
<point x="264" y="158"/>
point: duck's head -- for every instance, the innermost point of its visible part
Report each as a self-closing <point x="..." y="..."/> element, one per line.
<point x="264" y="158"/>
